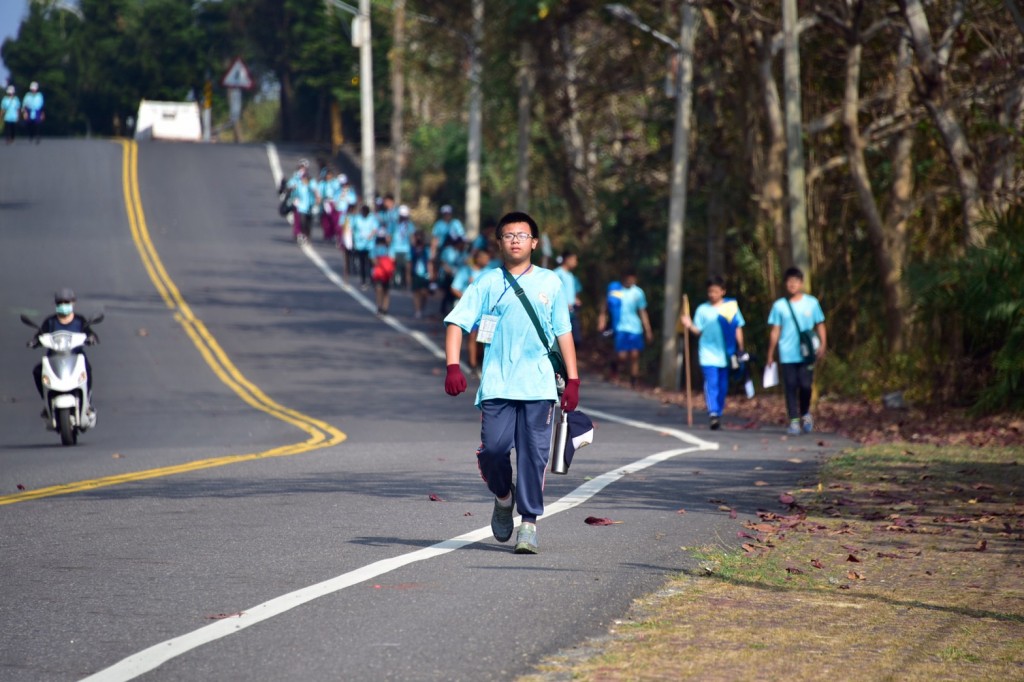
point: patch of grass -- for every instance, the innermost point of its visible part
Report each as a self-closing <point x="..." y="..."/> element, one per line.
<point x="905" y="562"/>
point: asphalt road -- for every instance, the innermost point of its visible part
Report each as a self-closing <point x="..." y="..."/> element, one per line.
<point x="337" y="559"/>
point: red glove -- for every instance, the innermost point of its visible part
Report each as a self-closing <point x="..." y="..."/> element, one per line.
<point x="454" y="382"/>
<point x="571" y="395"/>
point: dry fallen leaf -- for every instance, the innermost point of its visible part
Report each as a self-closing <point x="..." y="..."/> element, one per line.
<point x="597" y="521"/>
<point x="794" y="570"/>
<point x="724" y="508"/>
<point x="853" y="559"/>
<point x="854" y="575"/>
<point x="435" y="498"/>
<point x="786" y="498"/>
<point x="981" y="546"/>
<point x="117" y="455"/>
<point x="732" y="514"/>
<point x="21" y="487"/>
<point x="817" y="564"/>
<point x="760" y="484"/>
<point x="681" y="511"/>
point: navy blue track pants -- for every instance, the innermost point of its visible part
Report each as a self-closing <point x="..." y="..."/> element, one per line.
<point x="526" y="426"/>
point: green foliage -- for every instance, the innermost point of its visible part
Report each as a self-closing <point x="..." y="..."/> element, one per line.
<point x="981" y="293"/>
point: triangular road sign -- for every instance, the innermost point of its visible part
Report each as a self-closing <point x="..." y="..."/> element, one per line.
<point x="238" y="76"/>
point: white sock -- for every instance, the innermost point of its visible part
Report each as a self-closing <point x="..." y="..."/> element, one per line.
<point x="506" y="503"/>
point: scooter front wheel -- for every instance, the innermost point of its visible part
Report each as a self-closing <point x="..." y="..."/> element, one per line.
<point x="68" y="434"/>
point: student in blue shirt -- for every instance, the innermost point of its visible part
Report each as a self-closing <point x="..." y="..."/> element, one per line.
<point x="572" y="288"/>
<point x="517" y="389"/>
<point x="719" y="324"/>
<point x="364" y="227"/>
<point x="10" y="105"/>
<point x="633" y="326"/>
<point x="330" y="197"/>
<point x="422" y="272"/>
<point x="304" y="198"/>
<point x="401" y="245"/>
<point x="796" y="312"/>
<point x="32" y="111"/>
<point x="446" y="229"/>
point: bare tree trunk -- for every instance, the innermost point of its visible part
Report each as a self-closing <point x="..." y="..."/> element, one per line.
<point x="579" y="173"/>
<point x="772" y="193"/>
<point x="474" y="147"/>
<point x="882" y="241"/>
<point x="524" y="104"/>
<point x="932" y="67"/>
<point x="398" y="99"/>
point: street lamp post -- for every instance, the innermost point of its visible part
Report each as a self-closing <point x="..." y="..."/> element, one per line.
<point x="361" y="38"/>
<point x="668" y="376"/>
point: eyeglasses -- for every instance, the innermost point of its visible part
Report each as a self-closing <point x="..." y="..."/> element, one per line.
<point x="516" y="236"/>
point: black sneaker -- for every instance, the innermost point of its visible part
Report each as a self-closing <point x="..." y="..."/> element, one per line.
<point x="715" y="422"/>
<point x="501" y="519"/>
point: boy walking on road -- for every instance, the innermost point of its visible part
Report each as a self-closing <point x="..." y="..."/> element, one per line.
<point x="715" y="322"/>
<point x="517" y="390"/>
<point x="792" y="317"/>
<point x="633" y="326"/>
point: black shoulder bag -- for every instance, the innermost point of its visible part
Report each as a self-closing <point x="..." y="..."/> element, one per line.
<point x="809" y="342"/>
<point x="554" y="354"/>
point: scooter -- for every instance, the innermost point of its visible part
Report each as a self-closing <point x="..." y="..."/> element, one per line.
<point x="65" y="382"/>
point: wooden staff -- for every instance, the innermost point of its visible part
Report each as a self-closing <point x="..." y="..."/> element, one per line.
<point x="686" y="362"/>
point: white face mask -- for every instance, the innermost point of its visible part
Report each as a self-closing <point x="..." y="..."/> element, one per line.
<point x="65" y="308"/>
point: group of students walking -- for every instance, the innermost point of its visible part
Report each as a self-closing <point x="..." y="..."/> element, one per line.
<point x="796" y="332"/>
<point x="381" y="244"/>
<point x="27" y="110"/>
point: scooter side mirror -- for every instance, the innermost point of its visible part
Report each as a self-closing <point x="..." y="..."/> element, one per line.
<point x="97" y="319"/>
<point x="28" y="321"/>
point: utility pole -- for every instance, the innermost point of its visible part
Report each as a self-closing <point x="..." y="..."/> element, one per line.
<point x="475" y="123"/>
<point x="674" y="252"/>
<point x="366" y="102"/>
<point x="794" y="141"/>
<point x="398" y="98"/>
<point x="524" y="103"/>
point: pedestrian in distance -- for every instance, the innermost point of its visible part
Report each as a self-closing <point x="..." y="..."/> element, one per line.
<point x="383" y="267"/>
<point x="330" y="195"/>
<point x="364" y="230"/>
<point x="422" y="272"/>
<point x="32" y="111"/>
<point x="451" y="260"/>
<point x="633" y="326"/>
<point x="445" y="230"/>
<point x="719" y="325"/>
<point x="466" y="275"/>
<point x="10" y="106"/>
<point x="571" y="284"/>
<point x="798" y="331"/>
<point x="401" y="244"/>
<point x="304" y="198"/>
<point x="517" y="391"/>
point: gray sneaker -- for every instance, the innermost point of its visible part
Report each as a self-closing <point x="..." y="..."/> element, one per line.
<point x="808" y="423"/>
<point x="501" y="519"/>
<point x="526" y="541"/>
<point x="794" y="428"/>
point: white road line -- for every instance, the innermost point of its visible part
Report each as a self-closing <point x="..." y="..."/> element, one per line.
<point x="149" y="659"/>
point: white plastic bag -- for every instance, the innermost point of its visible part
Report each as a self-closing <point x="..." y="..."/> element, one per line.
<point x="771" y="375"/>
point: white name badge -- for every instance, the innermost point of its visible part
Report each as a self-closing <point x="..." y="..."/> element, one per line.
<point x="485" y="332"/>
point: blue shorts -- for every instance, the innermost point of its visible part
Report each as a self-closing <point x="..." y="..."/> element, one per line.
<point x="625" y="341"/>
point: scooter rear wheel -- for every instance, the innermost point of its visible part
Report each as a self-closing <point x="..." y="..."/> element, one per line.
<point x="68" y="434"/>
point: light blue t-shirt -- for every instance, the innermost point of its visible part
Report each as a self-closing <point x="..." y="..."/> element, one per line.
<point x="808" y="312"/>
<point x="33" y="104"/>
<point x="304" y="196"/>
<point x="11" y="106"/>
<point x="465" y="276"/>
<point x="631" y="301"/>
<point x="448" y="228"/>
<point x="363" y="230"/>
<point x="330" y="190"/>
<point x="711" y="348"/>
<point x="401" y="236"/>
<point x="516" y="365"/>
<point x="571" y="286"/>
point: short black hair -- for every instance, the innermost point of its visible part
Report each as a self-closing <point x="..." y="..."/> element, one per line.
<point x="629" y="272"/>
<point x="518" y="217"/>
<point x="716" y="281"/>
<point x="567" y="253"/>
<point x="793" y="272"/>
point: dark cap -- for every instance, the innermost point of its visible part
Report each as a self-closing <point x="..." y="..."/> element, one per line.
<point x="63" y="295"/>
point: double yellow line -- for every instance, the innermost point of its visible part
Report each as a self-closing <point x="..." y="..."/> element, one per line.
<point x="321" y="434"/>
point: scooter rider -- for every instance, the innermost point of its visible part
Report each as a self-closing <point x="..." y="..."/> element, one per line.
<point x="64" y="320"/>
